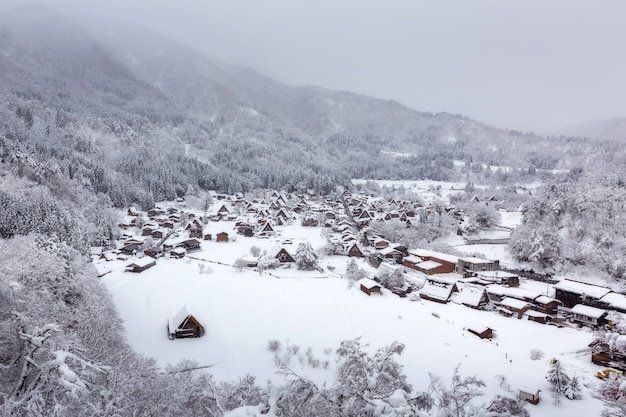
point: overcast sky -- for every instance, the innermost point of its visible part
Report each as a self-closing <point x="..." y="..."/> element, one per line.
<point x="521" y="64"/>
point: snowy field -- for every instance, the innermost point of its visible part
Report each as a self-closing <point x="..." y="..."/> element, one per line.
<point x="428" y="190"/>
<point x="242" y="311"/>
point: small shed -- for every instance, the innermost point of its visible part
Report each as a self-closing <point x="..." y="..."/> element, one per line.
<point x="221" y="237"/>
<point x="184" y="325"/>
<point x="529" y="394"/>
<point x="369" y="286"/>
<point x="480" y="330"/>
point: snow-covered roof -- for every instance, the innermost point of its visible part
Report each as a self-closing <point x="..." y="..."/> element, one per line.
<point x="423" y="253"/>
<point x="520" y="293"/>
<point x="428" y="265"/>
<point x="413" y="259"/>
<point x="537" y="314"/>
<point x="436" y="291"/>
<point x="475" y="261"/>
<point x="494" y="274"/>
<point x="576" y="287"/>
<point x="388" y="251"/>
<point x="142" y="262"/>
<point x="477" y="327"/>
<point x="514" y="303"/>
<point x="588" y="311"/>
<point x="175" y="321"/>
<point x="368" y="283"/>
<point x="544" y="299"/>
<point x="615" y="300"/>
<point x="470" y="295"/>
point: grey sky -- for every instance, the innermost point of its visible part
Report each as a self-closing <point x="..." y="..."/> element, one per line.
<point x="520" y="64"/>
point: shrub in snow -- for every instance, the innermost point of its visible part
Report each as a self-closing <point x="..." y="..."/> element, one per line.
<point x="506" y="407"/>
<point x="274" y="345"/>
<point x="457" y="397"/>
<point x="536" y="354"/>
<point x="255" y="251"/>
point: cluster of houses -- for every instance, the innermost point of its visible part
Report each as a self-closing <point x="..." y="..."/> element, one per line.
<point x="174" y="231"/>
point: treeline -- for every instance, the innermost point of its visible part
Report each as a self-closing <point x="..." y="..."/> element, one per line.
<point x="577" y="223"/>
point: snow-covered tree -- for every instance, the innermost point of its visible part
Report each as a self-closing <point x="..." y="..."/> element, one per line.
<point x="558" y="379"/>
<point x="306" y="258"/>
<point x="354" y="272"/>
<point x="456" y="399"/>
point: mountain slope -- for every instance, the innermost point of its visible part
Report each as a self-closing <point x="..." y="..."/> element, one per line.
<point x="156" y="119"/>
<point x="605" y="129"/>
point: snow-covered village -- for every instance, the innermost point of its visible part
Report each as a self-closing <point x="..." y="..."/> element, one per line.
<point x="296" y="275"/>
<point x="312" y="209"/>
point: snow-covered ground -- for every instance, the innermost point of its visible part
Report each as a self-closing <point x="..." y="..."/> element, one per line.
<point x="242" y="311"/>
<point x="428" y="190"/>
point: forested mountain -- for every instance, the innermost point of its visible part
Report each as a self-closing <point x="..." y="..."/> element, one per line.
<point x="113" y="109"/>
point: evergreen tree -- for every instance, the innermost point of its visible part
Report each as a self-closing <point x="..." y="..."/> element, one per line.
<point x="558" y="379"/>
<point x="306" y="258"/>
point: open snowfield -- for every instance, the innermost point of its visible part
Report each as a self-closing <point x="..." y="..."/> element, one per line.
<point x="428" y="190"/>
<point x="242" y="311"/>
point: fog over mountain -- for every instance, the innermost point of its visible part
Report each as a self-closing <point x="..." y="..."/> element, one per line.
<point x="605" y="129"/>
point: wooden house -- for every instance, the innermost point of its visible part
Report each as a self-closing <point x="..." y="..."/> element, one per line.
<point x="391" y="253"/>
<point x="380" y="243"/>
<point x="130" y="248"/>
<point x="153" y="252"/>
<point x="267" y="229"/>
<point x="571" y="293"/>
<point x="140" y="265"/>
<point x="537" y="316"/>
<point x="184" y="325"/>
<point x="430" y="267"/>
<point x="412" y="261"/>
<point x="369" y="286"/>
<point x="613" y="301"/>
<point x="585" y="315"/>
<point x="221" y="237"/>
<point x="611" y="356"/>
<point x="473" y="296"/>
<point x="223" y="211"/>
<point x="497" y="277"/>
<point x="178" y="253"/>
<point x="514" y="307"/>
<point x="438" y="289"/>
<point x="190" y="245"/>
<point x="448" y="262"/>
<point x="547" y="305"/>
<point x="354" y="250"/>
<point x="284" y="256"/>
<point x="468" y="266"/>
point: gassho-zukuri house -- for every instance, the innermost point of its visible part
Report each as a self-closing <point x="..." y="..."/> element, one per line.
<point x="184" y="325"/>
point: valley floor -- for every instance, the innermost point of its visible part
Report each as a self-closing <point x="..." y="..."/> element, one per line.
<point x="243" y="310"/>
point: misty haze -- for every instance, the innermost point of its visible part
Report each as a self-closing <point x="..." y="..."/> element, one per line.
<point x="323" y="208"/>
